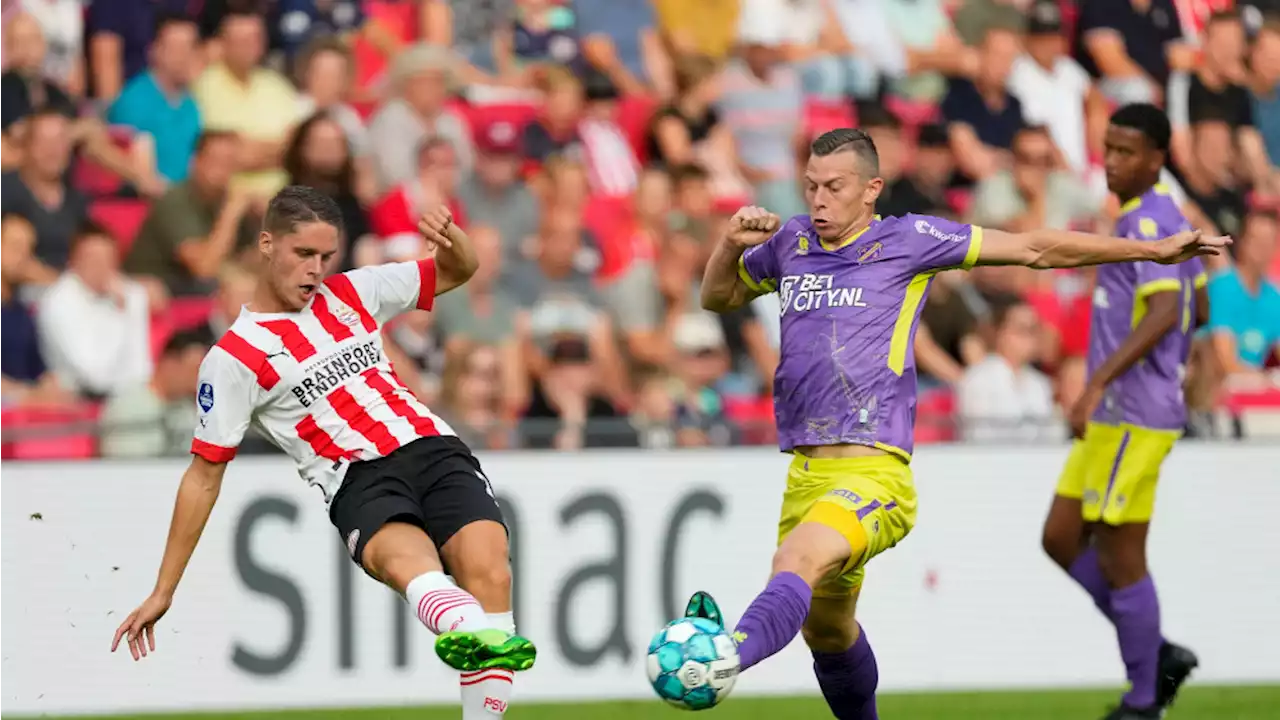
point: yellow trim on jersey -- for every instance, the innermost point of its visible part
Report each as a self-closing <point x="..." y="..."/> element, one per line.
<point x="901" y="336"/>
<point x="1147" y="289"/>
<point x="764" y="287"/>
<point x="1188" y="303"/>
<point x="1134" y="204"/>
<point x="975" y="247"/>
<point x="1201" y="280"/>
<point x="893" y="450"/>
<point x="847" y="241"/>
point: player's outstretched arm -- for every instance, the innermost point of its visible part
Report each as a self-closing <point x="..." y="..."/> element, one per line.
<point x="197" y="494"/>
<point x="1043" y="249"/>
<point x="723" y="289"/>
<point x="456" y="259"/>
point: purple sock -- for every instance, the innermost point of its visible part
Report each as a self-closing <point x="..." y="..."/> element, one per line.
<point x="773" y="618"/>
<point x="848" y="680"/>
<point x="1088" y="573"/>
<point x="1136" y="612"/>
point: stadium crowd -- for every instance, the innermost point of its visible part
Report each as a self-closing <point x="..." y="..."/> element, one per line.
<point x="593" y="149"/>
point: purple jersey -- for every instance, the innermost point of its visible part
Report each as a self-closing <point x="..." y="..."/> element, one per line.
<point x="849" y="316"/>
<point x="1150" y="393"/>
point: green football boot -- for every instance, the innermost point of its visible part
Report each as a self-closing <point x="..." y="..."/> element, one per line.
<point x="702" y="605"/>
<point x="485" y="649"/>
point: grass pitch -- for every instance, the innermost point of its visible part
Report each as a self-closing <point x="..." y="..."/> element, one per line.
<point x="1194" y="703"/>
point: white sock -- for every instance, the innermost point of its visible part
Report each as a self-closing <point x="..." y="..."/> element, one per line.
<point x="442" y="606"/>
<point x="485" y="694"/>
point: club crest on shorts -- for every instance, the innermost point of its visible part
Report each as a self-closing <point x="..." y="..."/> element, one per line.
<point x="205" y="397"/>
<point x="353" y="541"/>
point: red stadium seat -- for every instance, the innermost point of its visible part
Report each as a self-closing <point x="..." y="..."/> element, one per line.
<point x="95" y="180"/>
<point x="823" y="115"/>
<point x="935" y="417"/>
<point x="40" y="436"/>
<point x="189" y="312"/>
<point x="121" y="217"/>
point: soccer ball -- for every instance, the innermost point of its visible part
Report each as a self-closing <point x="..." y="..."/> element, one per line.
<point x="693" y="663"/>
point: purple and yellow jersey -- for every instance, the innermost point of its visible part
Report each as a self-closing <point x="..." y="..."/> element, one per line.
<point x="1150" y="393"/>
<point x="849" y="314"/>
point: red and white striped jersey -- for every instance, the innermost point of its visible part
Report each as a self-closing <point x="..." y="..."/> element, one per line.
<point x="316" y="382"/>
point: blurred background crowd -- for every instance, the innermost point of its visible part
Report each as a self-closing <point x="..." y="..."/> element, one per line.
<point x="593" y="149"/>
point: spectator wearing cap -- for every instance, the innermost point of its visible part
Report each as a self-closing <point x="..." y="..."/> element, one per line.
<point x="158" y="101"/>
<point x="494" y="192"/>
<point x="1130" y="46"/>
<point x="900" y="195"/>
<point x="24" y="376"/>
<point x="1264" y="64"/>
<point x="555" y="130"/>
<point x="420" y="82"/>
<point x="613" y="170"/>
<point x="982" y="117"/>
<point x="121" y="33"/>
<point x="761" y="101"/>
<point x="1219" y="82"/>
<point x="1055" y="91"/>
<point x="620" y="38"/>
<point x="702" y="360"/>
<point x="154" y="417"/>
<point x="94" y="322"/>
<point x="539" y="33"/>
<point x="257" y="104"/>
<point x="1035" y="193"/>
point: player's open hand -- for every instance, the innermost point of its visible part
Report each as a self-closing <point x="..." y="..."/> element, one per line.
<point x="140" y="623"/>
<point x="752" y="225"/>
<point x="437" y="227"/>
<point x="1186" y="245"/>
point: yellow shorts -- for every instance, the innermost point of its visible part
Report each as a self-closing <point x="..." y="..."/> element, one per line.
<point x="876" y="493"/>
<point x="1113" y="472"/>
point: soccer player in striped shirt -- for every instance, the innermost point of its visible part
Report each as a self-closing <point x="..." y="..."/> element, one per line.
<point x="304" y="364"/>
<point x="851" y="287"/>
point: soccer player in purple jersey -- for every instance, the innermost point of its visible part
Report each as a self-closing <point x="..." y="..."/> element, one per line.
<point x="1129" y="416"/>
<point x="851" y="287"/>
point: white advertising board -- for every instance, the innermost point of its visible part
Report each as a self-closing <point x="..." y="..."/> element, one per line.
<point x="607" y="545"/>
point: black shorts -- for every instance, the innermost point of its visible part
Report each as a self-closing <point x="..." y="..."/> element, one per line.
<point x="433" y="482"/>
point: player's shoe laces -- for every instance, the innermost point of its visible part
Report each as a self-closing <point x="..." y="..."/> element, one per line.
<point x="1125" y="712"/>
<point x="702" y="605"/>
<point x="1176" y="664"/>
<point x="485" y="649"/>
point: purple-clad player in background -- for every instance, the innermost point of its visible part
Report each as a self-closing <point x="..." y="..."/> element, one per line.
<point x="1130" y="415"/>
<point x="851" y="288"/>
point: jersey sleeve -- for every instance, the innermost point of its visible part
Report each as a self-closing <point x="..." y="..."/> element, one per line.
<point x="1152" y="277"/>
<point x="225" y="397"/>
<point x="758" y="266"/>
<point x="394" y="288"/>
<point x="937" y="244"/>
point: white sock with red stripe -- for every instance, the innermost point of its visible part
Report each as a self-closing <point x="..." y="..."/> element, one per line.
<point x="485" y="694"/>
<point x="444" y="607"/>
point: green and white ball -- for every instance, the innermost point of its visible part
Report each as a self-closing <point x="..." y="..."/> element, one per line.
<point x="693" y="664"/>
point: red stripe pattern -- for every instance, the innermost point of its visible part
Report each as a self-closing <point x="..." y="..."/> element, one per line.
<point x="212" y="453"/>
<point x="349" y="409"/>
<point x="475" y="678"/>
<point x="291" y="335"/>
<point x="251" y="357"/>
<point x="434" y="605"/>
<point x="341" y="287"/>
<point x="330" y="323"/>
<point x="319" y="440"/>
<point x="426" y="283"/>
<point x="423" y="426"/>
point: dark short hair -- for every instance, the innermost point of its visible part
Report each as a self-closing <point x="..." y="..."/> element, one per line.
<point x="688" y="172"/>
<point x="182" y="341"/>
<point x="934" y="135"/>
<point x="88" y="230"/>
<point x="166" y="19"/>
<point x="1146" y="119"/>
<point x="298" y="204"/>
<point x="1002" y="306"/>
<point x="876" y="116"/>
<point x="1218" y="16"/>
<point x="849" y="140"/>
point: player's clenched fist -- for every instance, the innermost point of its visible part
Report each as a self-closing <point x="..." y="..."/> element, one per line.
<point x="435" y="226"/>
<point x="752" y="225"/>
